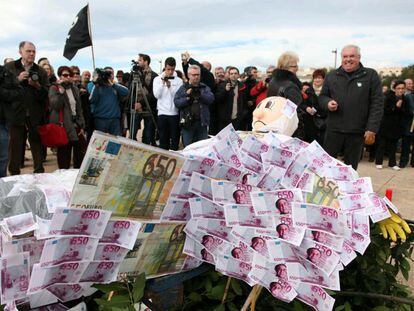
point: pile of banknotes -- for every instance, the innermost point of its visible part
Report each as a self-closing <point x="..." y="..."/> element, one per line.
<point x="275" y="211"/>
<point x="43" y="261"/>
<point x="261" y="207"/>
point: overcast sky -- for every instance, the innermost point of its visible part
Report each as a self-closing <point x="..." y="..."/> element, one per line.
<point x="225" y="32"/>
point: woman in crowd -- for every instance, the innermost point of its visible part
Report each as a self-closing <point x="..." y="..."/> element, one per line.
<point x="65" y="104"/>
<point x="395" y="106"/>
<point x="314" y="117"/>
<point x="50" y="72"/>
<point x="286" y="84"/>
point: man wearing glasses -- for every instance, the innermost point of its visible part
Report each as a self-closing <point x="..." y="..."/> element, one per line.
<point x="31" y="113"/>
<point x="193" y="100"/>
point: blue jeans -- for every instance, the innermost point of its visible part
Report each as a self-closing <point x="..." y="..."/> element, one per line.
<point x="110" y="126"/>
<point x="195" y="133"/>
<point x="4" y="149"/>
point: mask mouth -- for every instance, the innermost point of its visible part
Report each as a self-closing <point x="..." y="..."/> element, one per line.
<point x="258" y="122"/>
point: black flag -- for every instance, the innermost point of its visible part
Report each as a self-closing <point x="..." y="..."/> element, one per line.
<point x="78" y="36"/>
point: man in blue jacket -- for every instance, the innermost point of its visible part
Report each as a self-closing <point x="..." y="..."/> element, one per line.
<point x="352" y="97"/>
<point x="105" y="104"/>
<point x="193" y="100"/>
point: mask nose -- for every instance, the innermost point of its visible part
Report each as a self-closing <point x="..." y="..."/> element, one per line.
<point x="258" y="113"/>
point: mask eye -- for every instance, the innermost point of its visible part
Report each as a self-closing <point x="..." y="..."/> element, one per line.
<point x="269" y="104"/>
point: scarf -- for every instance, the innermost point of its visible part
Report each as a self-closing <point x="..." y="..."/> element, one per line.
<point x="317" y="89"/>
<point x="147" y="82"/>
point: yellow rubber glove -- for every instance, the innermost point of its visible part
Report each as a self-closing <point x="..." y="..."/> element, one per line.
<point x="394" y="226"/>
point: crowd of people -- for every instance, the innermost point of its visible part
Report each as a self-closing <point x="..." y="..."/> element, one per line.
<point x="344" y="110"/>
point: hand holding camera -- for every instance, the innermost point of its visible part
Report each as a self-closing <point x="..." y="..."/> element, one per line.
<point x="185" y="57"/>
<point x="311" y="110"/>
<point x="61" y="89"/>
<point x="102" y="77"/>
<point x="167" y="81"/>
<point x="24" y="75"/>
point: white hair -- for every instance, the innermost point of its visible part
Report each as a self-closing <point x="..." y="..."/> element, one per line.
<point x="286" y="59"/>
<point x="352" y="46"/>
<point x="194" y="67"/>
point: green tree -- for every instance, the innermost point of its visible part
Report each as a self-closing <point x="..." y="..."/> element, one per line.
<point x="407" y="73"/>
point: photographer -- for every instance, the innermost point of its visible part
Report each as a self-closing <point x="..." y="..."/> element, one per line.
<point x="231" y="101"/>
<point x="31" y="109"/>
<point x="192" y="100"/>
<point x="105" y="102"/>
<point x="10" y="93"/>
<point x="260" y="89"/>
<point x="147" y="78"/>
<point x="165" y="87"/>
<point x="65" y="98"/>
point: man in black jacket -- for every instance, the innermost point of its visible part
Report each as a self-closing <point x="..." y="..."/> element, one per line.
<point x="231" y="101"/>
<point x="353" y="99"/>
<point x="32" y="108"/>
<point x="147" y="79"/>
<point x="10" y="93"/>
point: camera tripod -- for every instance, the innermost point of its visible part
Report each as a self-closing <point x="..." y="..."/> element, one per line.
<point x="136" y="88"/>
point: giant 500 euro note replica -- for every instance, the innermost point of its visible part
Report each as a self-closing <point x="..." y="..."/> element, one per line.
<point x="128" y="178"/>
<point x="158" y="250"/>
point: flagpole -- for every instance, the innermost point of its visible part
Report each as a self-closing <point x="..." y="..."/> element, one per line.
<point x="90" y="34"/>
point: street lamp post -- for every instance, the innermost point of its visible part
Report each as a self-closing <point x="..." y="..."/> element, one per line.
<point x="336" y="53"/>
<point x="160" y="61"/>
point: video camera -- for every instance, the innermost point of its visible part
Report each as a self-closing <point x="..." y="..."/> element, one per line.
<point x="102" y="76"/>
<point x="136" y="68"/>
<point x="167" y="78"/>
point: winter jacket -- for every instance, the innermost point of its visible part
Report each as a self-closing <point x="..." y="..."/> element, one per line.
<point x="407" y="119"/>
<point x="33" y="101"/>
<point x="165" y="95"/>
<point x="259" y="91"/>
<point x="183" y="101"/>
<point x="10" y="95"/>
<point x="105" y="101"/>
<point x="391" y="123"/>
<point x="359" y="97"/>
<point x="60" y="102"/>
<point x="285" y="84"/>
<point x="224" y="101"/>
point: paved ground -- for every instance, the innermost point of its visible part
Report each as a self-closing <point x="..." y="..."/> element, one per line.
<point x="401" y="182"/>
